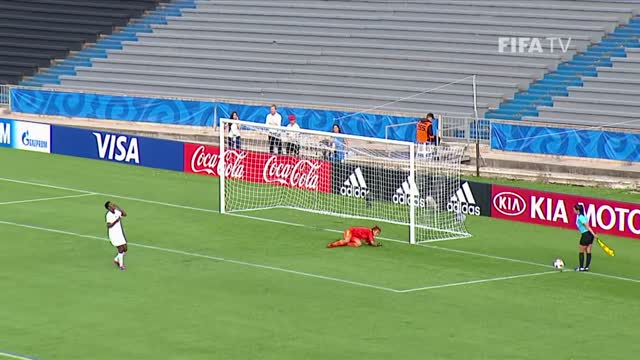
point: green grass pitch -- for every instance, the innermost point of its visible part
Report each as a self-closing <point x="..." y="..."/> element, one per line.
<point x="201" y="285"/>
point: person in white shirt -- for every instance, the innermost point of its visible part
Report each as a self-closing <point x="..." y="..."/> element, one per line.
<point x="293" y="138"/>
<point x="116" y="233"/>
<point x="274" y="119"/>
<point x="233" y="141"/>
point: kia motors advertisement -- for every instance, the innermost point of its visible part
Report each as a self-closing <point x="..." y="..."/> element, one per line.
<point x="554" y="209"/>
<point x="288" y="171"/>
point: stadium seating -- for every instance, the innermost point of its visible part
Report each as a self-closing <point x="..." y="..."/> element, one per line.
<point x="612" y="99"/>
<point x="597" y="87"/>
<point x="33" y="33"/>
<point x="392" y="56"/>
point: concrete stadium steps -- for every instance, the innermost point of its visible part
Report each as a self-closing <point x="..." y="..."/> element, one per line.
<point x="425" y="33"/>
<point x="407" y="46"/>
<point x="507" y="62"/>
<point x="349" y="85"/>
<point x="539" y="8"/>
<point x="600" y="93"/>
<point x="37" y="32"/>
<point x="601" y="104"/>
<point x="337" y="70"/>
<point x="442" y="80"/>
<point x="383" y="71"/>
<point x="399" y="27"/>
<point x="613" y="97"/>
<point x="307" y="94"/>
<point x="597" y="87"/>
<point x="613" y="74"/>
<point x="337" y="53"/>
<point x="470" y="16"/>
<point x="357" y="54"/>
<point x="596" y="118"/>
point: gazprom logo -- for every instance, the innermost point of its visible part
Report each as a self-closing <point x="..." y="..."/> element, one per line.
<point x="5" y="133"/>
<point x="27" y="141"/>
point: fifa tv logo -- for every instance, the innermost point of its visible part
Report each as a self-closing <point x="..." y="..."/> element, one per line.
<point x="532" y="45"/>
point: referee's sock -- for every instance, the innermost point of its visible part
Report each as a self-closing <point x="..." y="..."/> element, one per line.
<point x="588" y="260"/>
<point x="581" y="258"/>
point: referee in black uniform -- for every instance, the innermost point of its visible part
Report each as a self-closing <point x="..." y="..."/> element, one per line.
<point x="586" y="238"/>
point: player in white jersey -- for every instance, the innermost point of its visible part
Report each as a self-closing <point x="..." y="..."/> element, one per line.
<point x="116" y="233"/>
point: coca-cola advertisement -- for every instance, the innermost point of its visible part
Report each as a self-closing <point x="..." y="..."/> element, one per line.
<point x="554" y="209"/>
<point x="288" y="171"/>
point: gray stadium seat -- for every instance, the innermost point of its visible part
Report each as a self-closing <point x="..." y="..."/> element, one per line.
<point x="357" y="54"/>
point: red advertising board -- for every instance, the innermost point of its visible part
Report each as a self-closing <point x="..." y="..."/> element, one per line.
<point x="554" y="209"/>
<point x="288" y="171"/>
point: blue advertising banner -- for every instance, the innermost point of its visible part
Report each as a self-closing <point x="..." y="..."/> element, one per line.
<point x="370" y="125"/>
<point x="201" y="113"/>
<point x="6" y="137"/>
<point x="134" y="150"/>
<point x="566" y="142"/>
<point x="25" y="135"/>
<point x="111" y="107"/>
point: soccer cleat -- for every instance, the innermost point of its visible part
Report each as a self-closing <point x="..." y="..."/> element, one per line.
<point x="586" y="269"/>
<point x="123" y="267"/>
<point x="578" y="268"/>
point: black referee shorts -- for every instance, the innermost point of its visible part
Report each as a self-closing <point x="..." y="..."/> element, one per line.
<point x="586" y="238"/>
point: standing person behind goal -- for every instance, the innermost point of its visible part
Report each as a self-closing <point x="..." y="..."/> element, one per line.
<point x="233" y="141"/>
<point x="116" y="233"/>
<point x="274" y="119"/>
<point x="293" y="138"/>
<point x="338" y="145"/>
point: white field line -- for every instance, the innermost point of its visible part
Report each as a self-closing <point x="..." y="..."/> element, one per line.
<point x="45" y="199"/>
<point x="13" y="356"/>
<point x="501" y="278"/>
<point x="612" y="276"/>
<point x="106" y="194"/>
<point x="471" y="253"/>
<point x="274" y="268"/>
<point x="399" y="241"/>
<point x="215" y="258"/>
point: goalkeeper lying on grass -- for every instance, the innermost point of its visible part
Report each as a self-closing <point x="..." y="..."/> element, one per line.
<point x="356" y="235"/>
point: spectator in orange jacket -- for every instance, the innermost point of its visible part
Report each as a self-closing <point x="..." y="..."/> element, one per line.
<point x="424" y="130"/>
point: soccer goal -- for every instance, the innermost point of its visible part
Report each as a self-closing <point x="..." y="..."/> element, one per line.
<point x="335" y="174"/>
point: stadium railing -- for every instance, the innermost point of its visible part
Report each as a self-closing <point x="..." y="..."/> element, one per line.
<point x="5" y="100"/>
<point x="454" y="128"/>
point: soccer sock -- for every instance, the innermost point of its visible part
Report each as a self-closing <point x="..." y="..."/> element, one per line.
<point x="588" y="260"/>
<point x="121" y="259"/>
<point x="337" y="243"/>
<point x="581" y="257"/>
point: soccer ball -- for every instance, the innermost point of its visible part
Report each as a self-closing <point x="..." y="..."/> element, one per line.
<point x="558" y="264"/>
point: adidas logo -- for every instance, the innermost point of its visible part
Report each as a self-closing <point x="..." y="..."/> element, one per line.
<point x="463" y="201"/>
<point x="355" y="185"/>
<point x="404" y="192"/>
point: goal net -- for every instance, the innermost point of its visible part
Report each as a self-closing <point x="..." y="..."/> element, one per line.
<point x="376" y="181"/>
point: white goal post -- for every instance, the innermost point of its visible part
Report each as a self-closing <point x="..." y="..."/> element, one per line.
<point x="374" y="180"/>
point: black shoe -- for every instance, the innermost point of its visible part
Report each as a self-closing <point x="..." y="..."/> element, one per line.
<point x="585" y="269"/>
<point x="578" y="268"/>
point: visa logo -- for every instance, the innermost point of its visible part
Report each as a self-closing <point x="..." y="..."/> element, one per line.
<point x="5" y="133"/>
<point x="118" y="147"/>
